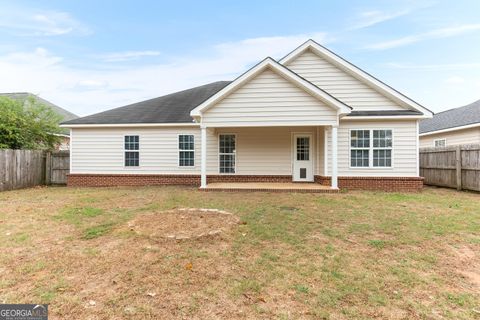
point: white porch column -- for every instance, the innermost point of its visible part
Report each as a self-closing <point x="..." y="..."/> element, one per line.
<point x="334" y="157"/>
<point x="203" y="169"/>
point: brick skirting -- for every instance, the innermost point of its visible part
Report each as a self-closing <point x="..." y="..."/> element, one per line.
<point x="405" y="184"/>
<point x="391" y="184"/>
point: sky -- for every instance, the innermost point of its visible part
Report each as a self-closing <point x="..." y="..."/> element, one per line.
<point x="89" y="56"/>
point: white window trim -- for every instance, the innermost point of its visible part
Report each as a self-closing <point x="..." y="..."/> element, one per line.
<point x="371" y="149"/>
<point x="218" y="152"/>
<point x="440" y="139"/>
<point x="178" y="151"/>
<point x="125" y="150"/>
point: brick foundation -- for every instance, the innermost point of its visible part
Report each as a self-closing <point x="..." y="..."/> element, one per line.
<point x="402" y="184"/>
<point x="390" y="184"/>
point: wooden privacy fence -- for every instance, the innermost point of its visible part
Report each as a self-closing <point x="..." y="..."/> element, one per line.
<point x="454" y="167"/>
<point x="28" y="168"/>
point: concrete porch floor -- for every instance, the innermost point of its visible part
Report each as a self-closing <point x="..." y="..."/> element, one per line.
<point x="269" y="187"/>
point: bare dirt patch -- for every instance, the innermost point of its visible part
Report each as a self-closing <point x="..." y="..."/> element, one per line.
<point x="466" y="262"/>
<point x="184" y="224"/>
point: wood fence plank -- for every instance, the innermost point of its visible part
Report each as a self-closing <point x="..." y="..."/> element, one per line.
<point x="454" y="166"/>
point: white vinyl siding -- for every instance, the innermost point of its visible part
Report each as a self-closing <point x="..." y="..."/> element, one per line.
<point x="465" y="136"/>
<point x="340" y="84"/>
<point x="404" y="151"/>
<point x="260" y="151"/>
<point x="102" y="150"/>
<point x="269" y="99"/>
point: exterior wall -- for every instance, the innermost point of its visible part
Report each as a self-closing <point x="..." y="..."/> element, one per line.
<point x="404" y="149"/>
<point x="260" y="151"/>
<point x="339" y="83"/>
<point x="465" y="136"/>
<point x="102" y="150"/>
<point x="269" y="99"/>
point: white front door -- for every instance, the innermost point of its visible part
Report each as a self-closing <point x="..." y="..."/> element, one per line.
<point x="302" y="157"/>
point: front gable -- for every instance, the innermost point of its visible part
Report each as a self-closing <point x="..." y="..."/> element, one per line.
<point x="269" y="99"/>
<point x="270" y="95"/>
<point x="345" y="81"/>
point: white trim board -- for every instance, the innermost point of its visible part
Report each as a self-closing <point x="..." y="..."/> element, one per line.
<point x="356" y="72"/>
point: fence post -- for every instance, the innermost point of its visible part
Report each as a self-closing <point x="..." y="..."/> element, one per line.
<point x="48" y="168"/>
<point x="458" y="162"/>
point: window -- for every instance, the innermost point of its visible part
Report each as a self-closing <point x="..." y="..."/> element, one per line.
<point x="186" y="150"/>
<point x="303" y="148"/>
<point x="439" y="143"/>
<point x="359" y="148"/>
<point x="132" y="145"/>
<point x="382" y="148"/>
<point x="226" y="152"/>
<point x="371" y="148"/>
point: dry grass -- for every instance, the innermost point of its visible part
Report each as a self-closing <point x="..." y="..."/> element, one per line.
<point x="109" y="254"/>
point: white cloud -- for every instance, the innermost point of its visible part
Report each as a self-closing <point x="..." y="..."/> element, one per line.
<point x="23" y="21"/>
<point x="370" y="18"/>
<point x="434" y="34"/>
<point x="437" y="67"/>
<point x="455" y="80"/>
<point x="128" y="55"/>
<point x="86" y="91"/>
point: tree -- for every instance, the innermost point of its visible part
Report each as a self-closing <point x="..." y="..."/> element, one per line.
<point x="28" y="125"/>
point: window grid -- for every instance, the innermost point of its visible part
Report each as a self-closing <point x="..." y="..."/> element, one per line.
<point x="186" y="150"/>
<point x="303" y="149"/>
<point x="382" y="148"/>
<point x="371" y="148"/>
<point x="359" y="148"/>
<point x="227" y="156"/>
<point x="439" y="143"/>
<point x="132" y="155"/>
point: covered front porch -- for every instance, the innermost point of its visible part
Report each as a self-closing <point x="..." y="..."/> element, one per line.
<point x="276" y="158"/>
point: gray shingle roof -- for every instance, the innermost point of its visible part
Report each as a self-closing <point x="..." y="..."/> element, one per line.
<point x="457" y="117"/>
<point x="24" y="96"/>
<point x="172" y="108"/>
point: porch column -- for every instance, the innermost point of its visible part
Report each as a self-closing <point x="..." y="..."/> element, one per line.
<point x="203" y="173"/>
<point x="334" y="158"/>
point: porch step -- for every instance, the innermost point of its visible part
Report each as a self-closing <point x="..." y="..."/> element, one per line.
<point x="269" y="187"/>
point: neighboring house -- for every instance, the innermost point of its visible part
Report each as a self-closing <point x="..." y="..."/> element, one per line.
<point x="452" y="127"/>
<point x="66" y="115"/>
<point x="309" y="117"/>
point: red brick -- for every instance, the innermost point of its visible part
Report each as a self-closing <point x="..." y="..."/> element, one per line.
<point x="404" y="184"/>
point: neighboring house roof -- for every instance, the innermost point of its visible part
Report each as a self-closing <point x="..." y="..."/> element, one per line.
<point x="172" y="108"/>
<point x="24" y="96"/>
<point x="453" y="118"/>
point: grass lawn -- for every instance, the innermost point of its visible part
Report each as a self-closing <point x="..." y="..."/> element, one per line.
<point x="125" y="253"/>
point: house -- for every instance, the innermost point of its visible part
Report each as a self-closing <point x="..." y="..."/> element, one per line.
<point x="452" y="127"/>
<point x="309" y="117"/>
<point x="65" y="115"/>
